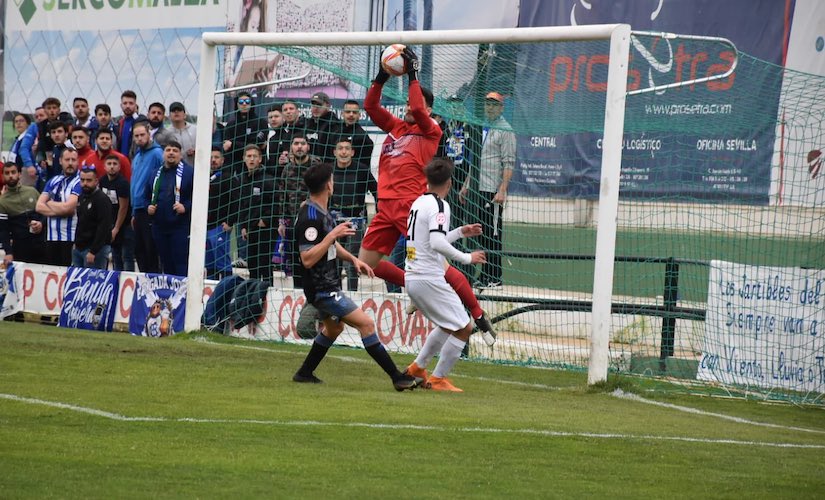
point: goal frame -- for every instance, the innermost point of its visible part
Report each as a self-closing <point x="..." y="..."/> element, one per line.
<point x="617" y="34"/>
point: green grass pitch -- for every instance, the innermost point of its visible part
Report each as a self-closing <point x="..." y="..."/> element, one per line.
<point x="91" y="415"/>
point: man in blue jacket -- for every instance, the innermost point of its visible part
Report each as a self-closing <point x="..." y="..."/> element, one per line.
<point x="148" y="159"/>
<point x="171" y="210"/>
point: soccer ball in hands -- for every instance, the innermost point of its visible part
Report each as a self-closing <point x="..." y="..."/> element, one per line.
<point x="392" y="60"/>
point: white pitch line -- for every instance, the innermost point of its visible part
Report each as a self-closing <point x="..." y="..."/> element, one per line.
<point x="432" y="428"/>
<point x="618" y="393"/>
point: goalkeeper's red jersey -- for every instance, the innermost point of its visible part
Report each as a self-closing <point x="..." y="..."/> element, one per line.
<point x="407" y="148"/>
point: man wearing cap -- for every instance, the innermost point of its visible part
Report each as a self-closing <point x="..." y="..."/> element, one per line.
<point x="498" y="157"/>
<point x="183" y="131"/>
<point x="322" y="127"/>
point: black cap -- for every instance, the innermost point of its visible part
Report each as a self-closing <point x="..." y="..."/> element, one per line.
<point x="320" y="98"/>
<point x="177" y="106"/>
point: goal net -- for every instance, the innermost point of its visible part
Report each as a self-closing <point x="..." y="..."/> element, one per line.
<point x="708" y="184"/>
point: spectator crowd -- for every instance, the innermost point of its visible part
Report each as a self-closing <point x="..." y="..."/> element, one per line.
<point x="90" y="189"/>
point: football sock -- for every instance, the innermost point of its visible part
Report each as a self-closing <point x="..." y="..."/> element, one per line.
<point x="432" y="346"/>
<point x="319" y="349"/>
<point x="449" y="355"/>
<point x="375" y="349"/>
<point x="391" y="273"/>
<point x="462" y="287"/>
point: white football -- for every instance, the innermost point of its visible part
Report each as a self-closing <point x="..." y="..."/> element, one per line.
<point x="393" y="61"/>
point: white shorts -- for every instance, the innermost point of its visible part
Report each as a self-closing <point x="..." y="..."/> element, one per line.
<point x="438" y="302"/>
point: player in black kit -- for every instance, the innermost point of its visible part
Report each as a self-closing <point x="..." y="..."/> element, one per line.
<point x="316" y="237"/>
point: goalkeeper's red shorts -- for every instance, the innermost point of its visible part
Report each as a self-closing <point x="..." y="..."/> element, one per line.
<point x="387" y="226"/>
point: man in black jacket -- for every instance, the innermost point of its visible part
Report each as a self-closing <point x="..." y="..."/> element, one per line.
<point x="322" y="127"/>
<point x="241" y="131"/>
<point x="253" y="201"/>
<point x="352" y="180"/>
<point x="362" y="145"/>
<point x="94" y="223"/>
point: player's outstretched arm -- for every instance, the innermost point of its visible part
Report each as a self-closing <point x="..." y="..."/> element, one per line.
<point x="440" y="243"/>
<point x="418" y="108"/>
<point x="466" y="231"/>
<point x="372" y="102"/>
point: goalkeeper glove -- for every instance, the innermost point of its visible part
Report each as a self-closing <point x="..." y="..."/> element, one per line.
<point x="382" y="76"/>
<point x="413" y="64"/>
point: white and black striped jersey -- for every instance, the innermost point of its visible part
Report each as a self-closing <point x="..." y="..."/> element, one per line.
<point x="429" y="238"/>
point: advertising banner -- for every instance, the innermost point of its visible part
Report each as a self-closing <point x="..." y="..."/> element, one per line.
<point x="11" y="282"/>
<point x="40" y="290"/>
<point x="709" y="142"/>
<point x="158" y="305"/>
<point x="764" y="327"/>
<point x="89" y="299"/>
<point x="74" y="15"/>
<point x="405" y="333"/>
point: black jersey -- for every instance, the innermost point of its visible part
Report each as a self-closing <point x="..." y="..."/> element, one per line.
<point x="311" y="226"/>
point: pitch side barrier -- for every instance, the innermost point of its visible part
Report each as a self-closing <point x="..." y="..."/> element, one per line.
<point x="669" y="311"/>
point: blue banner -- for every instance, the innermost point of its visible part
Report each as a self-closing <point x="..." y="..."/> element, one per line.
<point x="10" y="302"/>
<point x="158" y="305"/>
<point x="89" y="299"/>
<point x="710" y="141"/>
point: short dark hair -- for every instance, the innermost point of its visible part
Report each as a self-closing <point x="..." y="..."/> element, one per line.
<point x="82" y="99"/>
<point x="158" y="105"/>
<point x="81" y="129"/>
<point x="298" y="135"/>
<point x="25" y="117"/>
<point x="218" y="149"/>
<point x="428" y="96"/>
<point x="103" y="107"/>
<point x="11" y="164"/>
<point x="51" y="101"/>
<point x="112" y="157"/>
<point x="104" y="131"/>
<point x="128" y="93"/>
<point x="173" y="144"/>
<point x="317" y="176"/>
<point x="439" y="171"/>
<point x="56" y="124"/>
<point x="352" y="101"/>
<point x="343" y="138"/>
<point x="274" y="107"/>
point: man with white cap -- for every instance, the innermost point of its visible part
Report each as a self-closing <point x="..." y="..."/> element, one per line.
<point x="498" y="158"/>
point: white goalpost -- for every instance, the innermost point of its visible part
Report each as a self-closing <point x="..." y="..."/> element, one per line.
<point x="618" y="36"/>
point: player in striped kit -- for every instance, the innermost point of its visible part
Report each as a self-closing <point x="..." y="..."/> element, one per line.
<point x="58" y="202"/>
<point x="429" y="245"/>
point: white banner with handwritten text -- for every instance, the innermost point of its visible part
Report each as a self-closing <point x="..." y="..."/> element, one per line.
<point x="765" y="326"/>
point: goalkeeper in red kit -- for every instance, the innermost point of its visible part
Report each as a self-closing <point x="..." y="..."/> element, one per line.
<point x="410" y="145"/>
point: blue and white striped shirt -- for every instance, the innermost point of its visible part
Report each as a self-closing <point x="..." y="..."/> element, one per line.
<point x="61" y="188"/>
